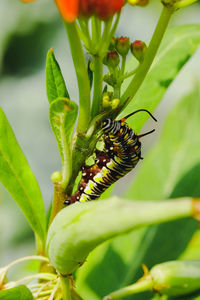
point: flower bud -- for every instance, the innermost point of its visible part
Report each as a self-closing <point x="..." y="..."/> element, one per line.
<point x="173" y="278"/>
<point x="111" y="59"/>
<point x="109" y="103"/>
<point x="122" y="45"/>
<point x="138" y="2"/>
<point x="115" y="103"/>
<point x="91" y="65"/>
<point x="112" y="44"/>
<point x="176" y="278"/>
<point x="109" y="79"/>
<point x="138" y="49"/>
<point x="56" y="177"/>
<point x="106" y="103"/>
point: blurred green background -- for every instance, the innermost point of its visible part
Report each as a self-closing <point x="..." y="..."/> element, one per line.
<point x="27" y="31"/>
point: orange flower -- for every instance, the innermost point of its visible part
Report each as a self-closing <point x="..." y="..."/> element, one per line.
<point x="104" y="9"/>
<point x="68" y="9"/>
<point x="71" y="9"/>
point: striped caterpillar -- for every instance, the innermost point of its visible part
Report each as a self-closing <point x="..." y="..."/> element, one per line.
<point x="122" y="151"/>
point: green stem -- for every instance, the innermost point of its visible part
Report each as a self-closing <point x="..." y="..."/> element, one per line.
<point x="115" y="25"/>
<point x="58" y="201"/>
<point x="149" y="57"/>
<point x="67" y="155"/>
<point x="65" y="284"/>
<point x="40" y="245"/>
<point x="88" y="32"/>
<point x="179" y="4"/>
<point x="184" y="3"/>
<point x="98" y="82"/>
<point x="82" y="36"/>
<point x="105" y="39"/>
<point x="82" y="77"/>
<point x="123" y="65"/>
<point x="96" y="32"/>
<point x="97" y="27"/>
<point x="127" y="75"/>
<point x="81" y="151"/>
<point x="141" y="286"/>
<point x="116" y="91"/>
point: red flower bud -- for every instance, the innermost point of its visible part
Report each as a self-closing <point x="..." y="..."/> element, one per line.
<point x="122" y="45"/>
<point x="138" y="49"/>
<point x="112" y="59"/>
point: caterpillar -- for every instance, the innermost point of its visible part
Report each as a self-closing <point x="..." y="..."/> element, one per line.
<point x="122" y="152"/>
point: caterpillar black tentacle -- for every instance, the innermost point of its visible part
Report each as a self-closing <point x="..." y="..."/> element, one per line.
<point x="122" y="151"/>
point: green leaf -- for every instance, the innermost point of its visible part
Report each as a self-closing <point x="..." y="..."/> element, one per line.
<point x="54" y="80"/>
<point x="176" y="175"/>
<point x="172" y="169"/>
<point x="69" y="241"/>
<point x="62" y="115"/>
<point x="20" y="292"/>
<point x="175" y="154"/>
<point x="18" y="179"/>
<point x="179" y="44"/>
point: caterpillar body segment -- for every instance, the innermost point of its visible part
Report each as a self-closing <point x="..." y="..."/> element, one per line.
<point x="122" y="151"/>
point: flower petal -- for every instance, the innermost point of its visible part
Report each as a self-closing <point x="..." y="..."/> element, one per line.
<point x="104" y="9"/>
<point x="68" y="9"/>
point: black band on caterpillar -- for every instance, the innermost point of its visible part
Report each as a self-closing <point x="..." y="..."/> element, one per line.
<point x="122" y="151"/>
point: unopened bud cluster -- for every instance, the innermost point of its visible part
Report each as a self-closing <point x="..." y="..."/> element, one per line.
<point x="121" y="46"/>
<point x="109" y="103"/>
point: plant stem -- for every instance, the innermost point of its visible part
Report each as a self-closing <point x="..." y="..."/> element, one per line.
<point x="183" y="3"/>
<point x="127" y="75"/>
<point x="115" y="25"/>
<point x="141" y="286"/>
<point x="123" y="65"/>
<point x="40" y="245"/>
<point x="149" y="57"/>
<point x="82" y="36"/>
<point x="105" y="39"/>
<point x="67" y="155"/>
<point x="97" y="23"/>
<point x="98" y="82"/>
<point x="83" y="147"/>
<point x="58" y="201"/>
<point x="65" y="284"/>
<point x="116" y="91"/>
<point x="82" y="77"/>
